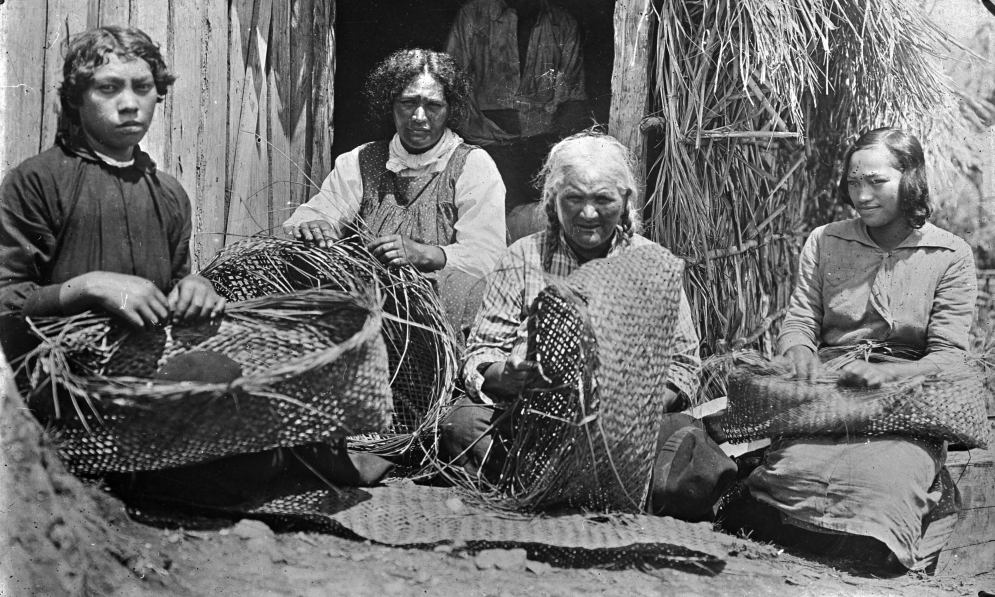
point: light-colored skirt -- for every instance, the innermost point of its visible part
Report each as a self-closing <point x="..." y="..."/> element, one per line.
<point x="882" y="487"/>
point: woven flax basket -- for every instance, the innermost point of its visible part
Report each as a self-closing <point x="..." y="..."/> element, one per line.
<point x="949" y="406"/>
<point x="421" y="345"/>
<point x="586" y="427"/>
<point x="313" y="367"/>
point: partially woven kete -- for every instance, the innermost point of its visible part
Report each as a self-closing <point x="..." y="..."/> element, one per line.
<point x="947" y="406"/>
<point x="587" y="424"/>
<point x="313" y="367"/>
<point x="421" y="345"/>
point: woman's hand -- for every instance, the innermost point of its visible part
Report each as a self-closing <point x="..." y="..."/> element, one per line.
<point x="318" y="232"/>
<point x="507" y="378"/>
<point x="805" y="362"/>
<point x="134" y="299"/>
<point x="862" y="374"/>
<point x="194" y="299"/>
<point x="873" y="375"/>
<point x="396" y="250"/>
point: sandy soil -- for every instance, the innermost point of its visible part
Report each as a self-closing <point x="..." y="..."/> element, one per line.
<point x="59" y="536"/>
<point x="251" y="560"/>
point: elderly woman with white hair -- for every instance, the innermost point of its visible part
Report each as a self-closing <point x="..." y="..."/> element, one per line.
<point x="588" y="192"/>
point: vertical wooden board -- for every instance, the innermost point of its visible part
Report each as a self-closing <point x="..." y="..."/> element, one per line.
<point x="963" y="562"/>
<point x="186" y="27"/>
<point x="973" y="472"/>
<point x="975" y="526"/>
<point x="152" y="17"/>
<point x="65" y="19"/>
<point x="323" y="89"/>
<point x="281" y="110"/>
<point x="22" y="70"/>
<point x="634" y="21"/>
<point x="114" y="12"/>
<point x="209" y="205"/>
<point x="239" y="12"/>
<point x="240" y="18"/>
<point x="249" y="172"/>
<point x="301" y="65"/>
<point x="93" y="14"/>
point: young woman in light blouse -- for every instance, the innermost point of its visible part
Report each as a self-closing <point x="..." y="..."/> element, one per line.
<point x="887" y="276"/>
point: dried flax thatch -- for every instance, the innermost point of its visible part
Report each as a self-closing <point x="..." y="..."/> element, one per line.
<point x="753" y="103"/>
<point x="882" y="69"/>
<point x="421" y="344"/>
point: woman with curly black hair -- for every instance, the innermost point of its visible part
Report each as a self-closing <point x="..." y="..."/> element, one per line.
<point x="430" y="200"/>
<point x="887" y="276"/>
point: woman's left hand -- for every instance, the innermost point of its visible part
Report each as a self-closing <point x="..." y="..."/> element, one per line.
<point x="194" y="299"/>
<point x="396" y="250"/>
<point x="867" y="375"/>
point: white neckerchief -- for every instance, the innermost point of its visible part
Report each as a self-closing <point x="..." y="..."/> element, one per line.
<point x="112" y="162"/>
<point x="400" y="159"/>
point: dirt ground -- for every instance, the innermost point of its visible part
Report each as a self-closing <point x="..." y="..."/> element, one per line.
<point x="59" y="536"/>
<point x="248" y="559"/>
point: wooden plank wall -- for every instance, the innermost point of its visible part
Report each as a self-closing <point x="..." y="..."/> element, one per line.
<point x="634" y="39"/>
<point x="971" y="549"/>
<point x="280" y="127"/>
<point x="246" y="128"/>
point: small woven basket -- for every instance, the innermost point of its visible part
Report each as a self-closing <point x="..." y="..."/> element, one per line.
<point x="313" y="367"/>
<point x="950" y="406"/>
<point x="421" y="344"/>
<point x="586" y="427"/>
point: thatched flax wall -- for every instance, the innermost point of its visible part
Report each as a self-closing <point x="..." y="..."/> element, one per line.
<point x="752" y="105"/>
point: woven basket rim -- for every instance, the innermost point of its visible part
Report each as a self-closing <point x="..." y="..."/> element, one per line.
<point x="103" y="387"/>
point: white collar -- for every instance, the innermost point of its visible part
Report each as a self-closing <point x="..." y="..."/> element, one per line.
<point x="400" y="159"/>
<point x="112" y="162"/>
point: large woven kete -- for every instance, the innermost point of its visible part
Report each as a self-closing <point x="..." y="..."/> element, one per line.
<point x="586" y="433"/>
<point x="949" y="407"/>
<point x="420" y="343"/>
<point x="314" y="367"/>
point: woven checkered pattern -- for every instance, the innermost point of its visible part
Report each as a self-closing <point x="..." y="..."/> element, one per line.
<point x="949" y="406"/>
<point x="587" y="424"/>
<point x="314" y="367"/>
<point x="421" y="345"/>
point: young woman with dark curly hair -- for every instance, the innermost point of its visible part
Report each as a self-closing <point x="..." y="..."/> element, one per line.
<point x="91" y="223"/>
<point x="888" y="276"/>
<point x="431" y="201"/>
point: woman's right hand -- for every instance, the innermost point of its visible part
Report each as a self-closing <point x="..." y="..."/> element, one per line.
<point x="318" y="232"/>
<point x="134" y="299"/>
<point x="805" y="362"/>
<point x="507" y="378"/>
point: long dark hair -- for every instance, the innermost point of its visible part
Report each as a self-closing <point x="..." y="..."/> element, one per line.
<point x="908" y="158"/>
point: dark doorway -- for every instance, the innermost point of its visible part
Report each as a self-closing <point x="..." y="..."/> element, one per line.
<point x="368" y="30"/>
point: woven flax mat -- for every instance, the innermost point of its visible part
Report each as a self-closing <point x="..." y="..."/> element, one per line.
<point x="404" y="514"/>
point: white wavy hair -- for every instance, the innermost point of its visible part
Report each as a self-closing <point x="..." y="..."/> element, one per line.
<point x="609" y="151"/>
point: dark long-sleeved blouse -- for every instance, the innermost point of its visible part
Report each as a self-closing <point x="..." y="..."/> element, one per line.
<point x="66" y="212"/>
